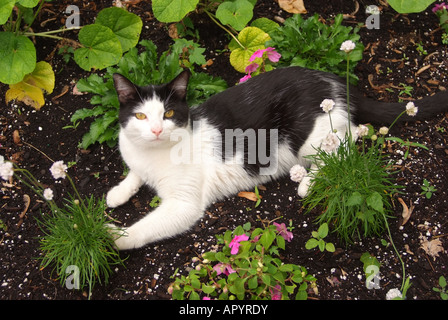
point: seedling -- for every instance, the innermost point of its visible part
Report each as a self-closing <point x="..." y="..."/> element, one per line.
<point x="428" y="189"/>
<point x="318" y="240"/>
<point x="443" y="288"/>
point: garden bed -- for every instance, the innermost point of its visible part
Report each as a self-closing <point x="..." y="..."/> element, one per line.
<point x="396" y="57"/>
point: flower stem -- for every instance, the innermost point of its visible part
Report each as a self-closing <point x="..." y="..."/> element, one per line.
<point x="222" y="27"/>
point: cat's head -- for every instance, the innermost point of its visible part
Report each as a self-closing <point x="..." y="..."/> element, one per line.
<point x="150" y="114"/>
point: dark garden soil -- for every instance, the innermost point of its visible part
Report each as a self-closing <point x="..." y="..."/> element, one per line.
<point x="391" y="60"/>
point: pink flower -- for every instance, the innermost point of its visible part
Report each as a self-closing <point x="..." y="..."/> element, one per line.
<point x="440" y="6"/>
<point x="257" y="54"/>
<point x="235" y="243"/>
<point x="276" y="293"/>
<point x="245" y="78"/>
<point x="223" y="268"/>
<point x="252" y="68"/>
<point x="283" y="231"/>
<point x="273" y="55"/>
<point x="206" y="298"/>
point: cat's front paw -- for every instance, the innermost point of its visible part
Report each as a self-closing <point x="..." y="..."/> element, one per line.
<point x="116" y="197"/>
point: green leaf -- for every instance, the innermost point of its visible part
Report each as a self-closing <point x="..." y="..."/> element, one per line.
<point x="253" y="283"/>
<point x="330" y="247"/>
<point x="28" y="3"/>
<point x="323" y="230"/>
<point x="410" y="6"/>
<point x="6" y="10"/>
<point x="265" y="24"/>
<point x="235" y="13"/>
<point x="312" y="243"/>
<point x="375" y="201"/>
<point x="252" y="39"/>
<point x="267" y="238"/>
<point x="172" y="10"/>
<point x="355" y="199"/>
<point x="126" y="25"/>
<point x="101" y="47"/>
<point x="17" y="57"/>
<point x="442" y="281"/>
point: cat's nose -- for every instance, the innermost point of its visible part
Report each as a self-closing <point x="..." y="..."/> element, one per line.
<point x="157" y="131"/>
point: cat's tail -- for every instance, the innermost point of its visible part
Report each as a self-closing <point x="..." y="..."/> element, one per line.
<point x="370" y="111"/>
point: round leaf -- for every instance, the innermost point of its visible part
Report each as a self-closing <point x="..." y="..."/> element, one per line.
<point x="6" y="10"/>
<point x="252" y="39"/>
<point x="409" y="6"/>
<point x="17" y="57"/>
<point x="101" y="48"/>
<point x="126" y="25"/>
<point x="236" y="13"/>
<point x="172" y="10"/>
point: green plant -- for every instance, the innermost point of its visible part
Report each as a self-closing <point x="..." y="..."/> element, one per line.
<point x="236" y="14"/>
<point x="371" y="267"/>
<point x="313" y="44"/>
<point x="353" y="185"/>
<point x="142" y="69"/>
<point x="410" y="6"/>
<point x="428" y="189"/>
<point x="101" y="44"/>
<point x="318" y="239"/>
<point x="76" y="233"/>
<point x="248" y="266"/>
<point x="155" y="202"/>
<point x="443" y="288"/>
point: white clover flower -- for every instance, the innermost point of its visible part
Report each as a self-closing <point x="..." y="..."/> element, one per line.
<point x="411" y="109"/>
<point x="384" y="130"/>
<point x="362" y="130"/>
<point x="393" y="293"/>
<point x="58" y="170"/>
<point x="348" y="46"/>
<point x="6" y="170"/>
<point x="330" y="143"/>
<point x="48" y="194"/>
<point x="297" y="173"/>
<point x="327" y="105"/>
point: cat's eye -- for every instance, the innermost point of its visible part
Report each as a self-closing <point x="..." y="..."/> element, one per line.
<point x="169" y="113"/>
<point x="140" y="116"/>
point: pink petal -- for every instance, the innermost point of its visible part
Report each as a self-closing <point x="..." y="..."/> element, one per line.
<point x="257" y="54"/>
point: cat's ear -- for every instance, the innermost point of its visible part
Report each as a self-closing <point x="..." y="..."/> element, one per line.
<point x="179" y="84"/>
<point x="127" y="91"/>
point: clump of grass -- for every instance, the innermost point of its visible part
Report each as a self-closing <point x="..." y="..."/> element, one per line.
<point x="76" y="234"/>
<point x="354" y="189"/>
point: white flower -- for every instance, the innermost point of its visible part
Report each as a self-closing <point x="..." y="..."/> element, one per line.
<point x="411" y="109"/>
<point x="362" y="130"/>
<point x="2" y="159"/>
<point x="330" y="143"/>
<point x="48" y="194"/>
<point x="297" y="173"/>
<point x="393" y="293"/>
<point x="327" y="105"/>
<point x="6" y="170"/>
<point x="384" y="130"/>
<point x="348" y="46"/>
<point x="58" y="170"/>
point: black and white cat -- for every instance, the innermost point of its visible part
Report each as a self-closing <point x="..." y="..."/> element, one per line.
<point x="248" y="135"/>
